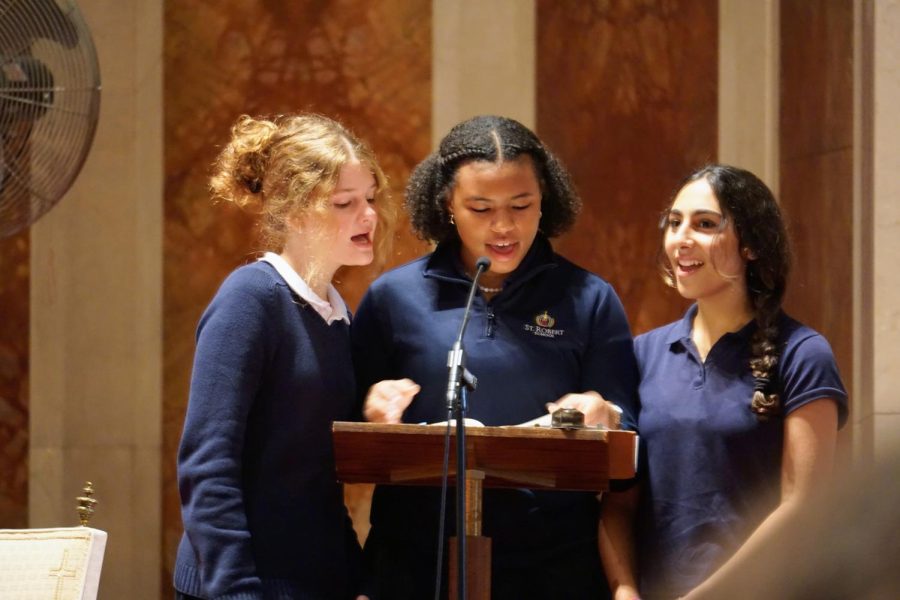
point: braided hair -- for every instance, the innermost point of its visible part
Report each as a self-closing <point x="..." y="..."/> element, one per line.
<point x="493" y="139"/>
<point x="758" y="223"/>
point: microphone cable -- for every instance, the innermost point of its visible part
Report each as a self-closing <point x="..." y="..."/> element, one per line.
<point x="454" y="363"/>
<point x="445" y="475"/>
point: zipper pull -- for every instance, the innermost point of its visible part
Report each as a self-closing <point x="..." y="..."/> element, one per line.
<point x="489" y="328"/>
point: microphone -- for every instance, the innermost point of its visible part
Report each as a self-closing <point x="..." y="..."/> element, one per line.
<point x="456" y="405"/>
<point x="456" y="361"/>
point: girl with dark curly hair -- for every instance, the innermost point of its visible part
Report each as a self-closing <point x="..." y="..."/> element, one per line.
<point x="740" y="404"/>
<point x="544" y="333"/>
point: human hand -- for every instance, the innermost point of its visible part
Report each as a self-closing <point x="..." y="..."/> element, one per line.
<point x="597" y="411"/>
<point x="626" y="592"/>
<point x="387" y="400"/>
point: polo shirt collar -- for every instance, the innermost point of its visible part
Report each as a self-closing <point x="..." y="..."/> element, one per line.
<point x="333" y="309"/>
<point x="681" y="330"/>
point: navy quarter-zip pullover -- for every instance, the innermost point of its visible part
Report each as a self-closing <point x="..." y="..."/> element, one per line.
<point x="553" y="329"/>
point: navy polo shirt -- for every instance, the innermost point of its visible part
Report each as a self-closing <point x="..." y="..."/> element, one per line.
<point x="710" y="470"/>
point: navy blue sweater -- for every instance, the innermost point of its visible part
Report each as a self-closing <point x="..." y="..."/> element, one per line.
<point x="554" y="329"/>
<point x="263" y="515"/>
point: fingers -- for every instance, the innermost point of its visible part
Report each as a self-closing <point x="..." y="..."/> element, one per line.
<point x="615" y="415"/>
<point x="597" y="410"/>
<point x="387" y="400"/>
<point x="581" y="402"/>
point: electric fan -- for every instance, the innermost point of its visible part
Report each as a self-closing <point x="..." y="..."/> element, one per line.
<point x="49" y="105"/>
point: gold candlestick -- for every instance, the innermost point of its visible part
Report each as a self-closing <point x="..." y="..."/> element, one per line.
<point x="86" y="504"/>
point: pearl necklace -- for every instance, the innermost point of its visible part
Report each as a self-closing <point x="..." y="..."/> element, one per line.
<point x="489" y="290"/>
<point x="485" y="289"/>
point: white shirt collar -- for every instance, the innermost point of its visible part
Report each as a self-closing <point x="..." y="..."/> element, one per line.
<point x="331" y="310"/>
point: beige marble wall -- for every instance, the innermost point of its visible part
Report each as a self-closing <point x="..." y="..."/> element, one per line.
<point x="885" y="291"/>
<point x="749" y="68"/>
<point x="483" y="61"/>
<point x="96" y="314"/>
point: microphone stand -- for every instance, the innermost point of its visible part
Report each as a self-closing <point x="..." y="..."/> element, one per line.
<point x="459" y="381"/>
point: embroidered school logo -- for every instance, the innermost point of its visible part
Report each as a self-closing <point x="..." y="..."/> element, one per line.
<point x="543" y="326"/>
<point x="544" y="320"/>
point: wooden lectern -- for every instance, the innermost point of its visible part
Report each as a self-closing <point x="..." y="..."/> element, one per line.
<point x="519" y="457"/>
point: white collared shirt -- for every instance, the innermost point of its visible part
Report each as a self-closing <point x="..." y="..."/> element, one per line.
<point x="331" y="310"/>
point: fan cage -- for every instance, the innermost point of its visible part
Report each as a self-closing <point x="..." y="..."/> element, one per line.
<point x="49" y="105"/>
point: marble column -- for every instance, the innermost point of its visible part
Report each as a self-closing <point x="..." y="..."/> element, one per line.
<point x="483" y="61"/>
<point x="96" y="291"/>
<point x="748" y="87"/>
<point x="880" y="27"/>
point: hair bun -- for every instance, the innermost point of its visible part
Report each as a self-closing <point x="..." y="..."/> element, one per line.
<point x="254" y="184"/>
<point x="239" y="170"/>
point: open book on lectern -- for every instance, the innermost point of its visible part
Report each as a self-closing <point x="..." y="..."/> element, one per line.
<point x="542" y="421"/>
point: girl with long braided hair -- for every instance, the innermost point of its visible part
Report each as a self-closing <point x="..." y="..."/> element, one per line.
<point x="740" y="404"/>
<point x="542" y="331"/>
